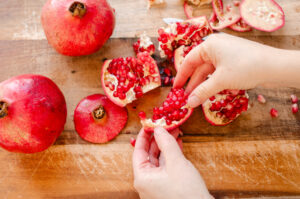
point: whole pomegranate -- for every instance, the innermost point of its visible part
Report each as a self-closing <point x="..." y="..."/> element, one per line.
<point x="32" y="113"/>
<point x="77" y="28"/>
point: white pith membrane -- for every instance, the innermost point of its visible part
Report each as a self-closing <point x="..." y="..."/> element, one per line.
<point x="155" y="2"/>
<point x="144" y="43"/>
<point x="153" y="82"/>
<point x="199" y="2"/>
<point x="150" y="123"/>
<point x="182" y="33"/>
<point x="265" y="15"/>
<point x="241" y="26"/>
<point x="212" y="116"/>
<point x="228" y="13"/>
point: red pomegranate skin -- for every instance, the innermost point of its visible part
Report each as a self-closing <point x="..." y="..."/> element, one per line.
<point x="36" y="113"/>
<point x="74" y="35"/>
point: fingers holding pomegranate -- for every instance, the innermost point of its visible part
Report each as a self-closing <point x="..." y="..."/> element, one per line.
<point x="32" y="113"/>
<point x="77" y="28"/>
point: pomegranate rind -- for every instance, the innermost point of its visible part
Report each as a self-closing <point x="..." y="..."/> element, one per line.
<point x="126" y="101"/>
<point x="263" y="22"/>
<point x="211" y="116"/>
<point x="36" y="116"/>
<point x="239" y="26"/>
<point x="178" y="57"/>
<point x="188" y="10"/>
<point x="225" y="18"/>
<point x="103" y="130"/>
<point x="150" y="126"/>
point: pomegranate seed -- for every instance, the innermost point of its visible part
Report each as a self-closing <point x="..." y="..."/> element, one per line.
<point x="212" y="98"/>
<point x="167" y="71"/>
<point x="167" y="80"/>
<point x="236" y="3"/>
<point x="295" y="108"/>
<point x="294" y="99"/>
<point x="142" y="115"/>
<point x="274" y="112"/>
<point x="261" y="99"/>
<point x="132" y="141"/>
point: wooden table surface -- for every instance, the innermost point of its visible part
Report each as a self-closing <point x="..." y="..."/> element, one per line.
<point x="252" y="157"/>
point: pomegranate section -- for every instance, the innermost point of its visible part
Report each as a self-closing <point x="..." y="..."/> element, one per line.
<point x="224" y="107"/>
<point x="76" y="28"/>
<point x="264" y="15"/>
<point x="143" y="44"/>
<point x="171" y="114"/>
<point x="182" y="33"/>
<point x="126" y="79"/>
<point x="98" y="120"/>
<point x="32" y="113"/>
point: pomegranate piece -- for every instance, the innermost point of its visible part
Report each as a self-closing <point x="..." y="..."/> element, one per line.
<point x="227" y="13"/>
<point x="295" y="108"/>
<point x="99" y="120"/>
<point x="32" y="113"/>
<point x="274" y="112"/>
<point x="225" y="107"/>
<point x="143" y="44"/>
<point x="294" y="99"/>
<point x="188" y="10"/>
<point x="264" y="15"/>
<point x="182" y="34"/>
<point x="261" y="99"/>
<point x="155" y="3"/>
<point x="126" y="79"/>
<point x="171" y="114"/>
<point x="132" y="142"/>
<point x="76" y="28"/>
<point x="241" y="26"/>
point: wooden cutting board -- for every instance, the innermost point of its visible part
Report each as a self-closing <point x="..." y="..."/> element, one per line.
<point x="252" y="157"/>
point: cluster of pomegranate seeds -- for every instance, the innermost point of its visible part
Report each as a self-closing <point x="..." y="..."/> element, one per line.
<point x="180" y="33"/>
<point x="230" y="106"/>
<point x="187" y="49"/>
<point x="132" y="74"/>
<point x="295" y="107"/>
<point x="172" y="108"/>
<point x="167" y="77"/>
<point x="144" y="44"/>
<point x="274" y="112"/>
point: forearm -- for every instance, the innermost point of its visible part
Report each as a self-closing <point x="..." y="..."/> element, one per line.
<point x="282" y="69"/>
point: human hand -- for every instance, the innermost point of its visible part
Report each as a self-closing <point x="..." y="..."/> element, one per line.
<point x="234" y="63"/>
<point x="161" y="171"/>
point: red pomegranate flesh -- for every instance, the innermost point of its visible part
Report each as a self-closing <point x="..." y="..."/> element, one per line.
<point x="143" y="44"/>
<point x="171" y="114"/>
<point x="99" y="120"/>
<point x="182" y="33"/>
<point x="77" y="28"/>
<point x="225" y="107"/>
<point x="126" y="79"/>
<point x="32" y="113"/>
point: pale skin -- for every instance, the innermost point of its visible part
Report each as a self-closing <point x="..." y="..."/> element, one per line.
<point x="160" y="168"/>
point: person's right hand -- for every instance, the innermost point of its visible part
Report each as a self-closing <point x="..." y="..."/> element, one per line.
<point x="234" y="63"/>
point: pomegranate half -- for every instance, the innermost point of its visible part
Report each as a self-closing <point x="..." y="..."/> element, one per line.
<point x="77" y="28"/>
<point x="182" y="33"/>
<point x="99" y="120"/>
<point x="171" y="114"/>
<point x="126" y="79"/>
<point x="264" y="15"/>
<point x="32" y="113"/>
<point x="225" y="107"/>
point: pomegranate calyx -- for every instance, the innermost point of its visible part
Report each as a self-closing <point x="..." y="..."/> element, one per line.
<point x="99" y="113"/>
<point x="3" y="109"/>
<point x="77" y="9"/>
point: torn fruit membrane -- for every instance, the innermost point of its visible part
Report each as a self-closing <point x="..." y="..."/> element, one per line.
<point x="126" y="79"/>
<point x="143" y="44"/>
<point x="224" y="107"/>
<point x="171" y="114"/>
<point x="182" y="33"/>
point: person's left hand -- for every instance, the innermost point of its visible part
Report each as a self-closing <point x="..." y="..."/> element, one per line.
<point x="161" y="171"/>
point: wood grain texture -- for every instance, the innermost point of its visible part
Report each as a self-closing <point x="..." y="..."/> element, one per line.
<point x="252" y="157"/>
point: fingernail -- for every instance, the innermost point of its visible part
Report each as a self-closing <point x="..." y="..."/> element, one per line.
<point x="193" y="101"/>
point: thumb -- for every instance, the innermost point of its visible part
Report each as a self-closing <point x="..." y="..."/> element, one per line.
<point x="205" y="90"/>
<point x="167" y="145"/>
